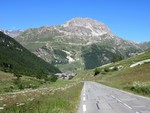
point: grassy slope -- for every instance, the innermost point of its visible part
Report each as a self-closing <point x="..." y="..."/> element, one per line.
<point x="60" y="101"/>
<point x="8" y="84"/>
<point x="128" y="75"/>
<point x="135" y="79"/>
<point x="51" y="97"/>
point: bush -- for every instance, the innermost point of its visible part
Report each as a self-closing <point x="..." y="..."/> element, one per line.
<point x="115" y="68"/>
<point x="8" y="89"/>
<point x="19" y="84"/>
<point x="139" y="89"/>
<point x="106" y="70"/>
<point x="53" y="78"/>
<point x="96" y="71"/>
<point x="41" y="74"/>
<point x="17" y="75"/>
<point x="17" y="81"/>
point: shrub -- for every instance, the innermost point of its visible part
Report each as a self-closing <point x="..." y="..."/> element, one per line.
<point x="139" y="89"/>
<point x="8" y="89"/>
<point x="106" y="70"/>
<point x="19" y="84"/>
<point x="115" y="68"/>
<point x="17" y="75"/>
<point x="53" y="78"/>
<point x="96" y="71"/>
<point x="41" y="74"/>
<point x="17" y="81"/>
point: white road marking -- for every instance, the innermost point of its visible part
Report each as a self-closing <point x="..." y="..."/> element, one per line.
<point x="83" y="98"/>
<point x="122" y="102"/>
<point x="84" y="108"/>
<point x="118" y="100"/>
<point x="137" y="112"/>
<point x="83" y="94"/>
<point x="112" y="96"/>
<point x="127" y="105"/>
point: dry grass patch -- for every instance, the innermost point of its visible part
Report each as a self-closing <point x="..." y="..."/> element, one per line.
<point x="63" y="100"/>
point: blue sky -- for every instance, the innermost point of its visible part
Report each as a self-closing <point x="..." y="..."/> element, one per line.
<point x="129" y="19"/>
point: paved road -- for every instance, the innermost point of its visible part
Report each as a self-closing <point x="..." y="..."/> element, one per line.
<point x="97" y="98"/>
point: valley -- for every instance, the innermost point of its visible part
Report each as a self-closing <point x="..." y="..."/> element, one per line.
<point x="30" y="61"/>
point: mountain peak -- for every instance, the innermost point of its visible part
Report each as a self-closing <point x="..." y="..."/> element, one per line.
<point x="80" y="22"/>
<point x="95" y="27"/>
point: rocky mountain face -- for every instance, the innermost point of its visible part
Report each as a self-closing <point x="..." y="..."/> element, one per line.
<point x="80" y="43"/>
<point x="85" y="27"/>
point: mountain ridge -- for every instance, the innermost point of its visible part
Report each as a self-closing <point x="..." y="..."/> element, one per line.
<point x="72" y="36"/>
<point x="12" y="33"/>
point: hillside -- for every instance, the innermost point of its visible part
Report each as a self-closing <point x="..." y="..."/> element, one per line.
<point x="132" y="74"/>
<point x="63" y="45"/>
<point x="15" y="58"/>
<point x="93" y="55"/>
<point x="145" y="45"/>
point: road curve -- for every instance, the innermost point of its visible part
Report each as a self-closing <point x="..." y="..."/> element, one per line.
<point x="98" y="98"/>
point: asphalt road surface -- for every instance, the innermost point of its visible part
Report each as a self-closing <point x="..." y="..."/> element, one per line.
<point x="98" y="98"/>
